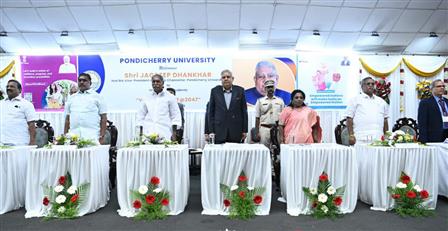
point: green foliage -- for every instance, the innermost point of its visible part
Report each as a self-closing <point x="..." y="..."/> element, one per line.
<point x="5" y="147"/>
<point x="150" y="139"/>
<point x="243" y="201"/>
<point x="74" y="198"/>
<point x="409" y="198"/>
<point x="328" y="208"/>
<point x="152" y="207"/>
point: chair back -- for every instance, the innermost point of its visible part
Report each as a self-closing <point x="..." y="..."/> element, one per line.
<point x="44" y="133"/>
<point x="407" y="125"/>
<point x="111" y="134"/>
<point x="253" y="135"/>
<point x="341" y="133"/>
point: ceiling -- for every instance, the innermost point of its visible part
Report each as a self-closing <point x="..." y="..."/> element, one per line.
<point x="103" y="25"/>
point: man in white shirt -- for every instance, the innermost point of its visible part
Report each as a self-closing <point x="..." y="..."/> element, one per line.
<point x="367" y="114"/>
<point x="67" y="67"/>
<point x="86" y="112"/>
<point x="159" y="112"/>
<point x="17" y="117"/>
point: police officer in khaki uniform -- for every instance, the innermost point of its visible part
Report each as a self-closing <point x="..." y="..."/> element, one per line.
<point x="267" y="111"/>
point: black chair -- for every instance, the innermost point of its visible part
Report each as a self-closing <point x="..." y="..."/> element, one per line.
<point x="110" y="137"/>
<point x="195" y="165"/>
<point x="44" y="133"/>
<point x="253" y="136"/>
<point x="341" y="133"/>
<point x="407" y="125"/>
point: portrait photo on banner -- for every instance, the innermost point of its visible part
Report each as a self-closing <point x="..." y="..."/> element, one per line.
<point x="252" y="73"/>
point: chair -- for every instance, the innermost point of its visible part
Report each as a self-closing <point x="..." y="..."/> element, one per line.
<point x="110" y="137"/>
<point x="407" y="125"/>
<point x="44" y="133"/>
<point x="253" y="136"/>
<point x="195" y="161"/>
<point x="341" y="133"/>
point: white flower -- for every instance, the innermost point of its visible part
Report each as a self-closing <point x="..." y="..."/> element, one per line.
<point x="313" y="191"/>
<point x="322" y="198"/>
<point x="143" y="189"/>
<point x="400" y="139"/>
<point x="400" y="185"/>
<point x="60" y="199"/>
<point x="331" y="190"/>
<point x="417" y="188"/>
<point x="61" y="209"/>
<point x="400" y="132"/>
<point x="58" y="188"/>
<point x="234" y="187"/>
<point x="157" y="190"/>
<point x="72" y="190"/>
<point x="324" y="208"/>
<point x="250" y="188"/>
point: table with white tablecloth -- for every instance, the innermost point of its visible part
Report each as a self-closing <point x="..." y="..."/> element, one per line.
<point x="86" y="165"/>
<point x="303" y="164"/>
<point x="380" y="167"/>
<point x="223" y="163"/>
<point x="13" y="161"/>
<point x="136" y="166"/>
<point x="442" y="161"/>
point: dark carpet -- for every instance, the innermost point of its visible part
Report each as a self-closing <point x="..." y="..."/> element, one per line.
<point x="107" y="218"/>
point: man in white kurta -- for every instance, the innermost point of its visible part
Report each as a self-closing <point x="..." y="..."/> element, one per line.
<point x="17" y="117"/>
<point x="367" y="115"/>
<point x="86" y="112"/>
<point x="159" y="112"/>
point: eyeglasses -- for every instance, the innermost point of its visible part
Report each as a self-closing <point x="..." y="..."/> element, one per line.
<point x="226" y="77"/>
<point x="442" y="86"/>
<point x="270" y="76"/>
<point x="370" y="84"/>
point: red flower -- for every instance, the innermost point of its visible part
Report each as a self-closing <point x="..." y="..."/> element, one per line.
<point x="382" y="138"/>
<point x="396" y="196"/>
<point x="45" y="201"/>
<point x="150" y="199"/>
<point x="258" y="199"/>
<point x="61" y="180"/>
<point x="226" y="203"/>
<point x="411" y="194"/>
<point x="165" y="202"/>
<point x="242" y="178"/>
<point x="405" y="179"/>
<point x="314" y="205"/>
<point x="337" y="201"/>
<point x="155" y="180"/>
<point x="424" y="194"/>
<point x="137" y="204"/>
<point x="74" y="198"/>
<point x="242" y="194"/>
<point x="323" y="177"/>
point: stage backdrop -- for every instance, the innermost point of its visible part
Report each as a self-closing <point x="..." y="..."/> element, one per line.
<point x="123" y="80"/>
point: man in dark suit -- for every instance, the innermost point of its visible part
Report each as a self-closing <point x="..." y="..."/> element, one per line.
<point x="227" y="111"/>
<point x="433" y="115"/>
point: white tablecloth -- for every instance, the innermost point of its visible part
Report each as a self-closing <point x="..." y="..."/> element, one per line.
<point x="303" y="164"/>
<point x="13" y="177"/>
<point x="443" y="167"/>
<point x="136" y="166"/>
<point x="194" y="124"/>
<point x="86" y="165"/>
<point x="223" y="164"/>
<point x="380" y="167"/>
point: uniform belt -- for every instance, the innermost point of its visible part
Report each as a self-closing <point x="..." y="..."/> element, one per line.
<point x="267" y="125"/>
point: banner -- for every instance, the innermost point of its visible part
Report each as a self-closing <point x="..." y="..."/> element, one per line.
<point x="47" y="80"/>
<point x="124" y="80"/>
<point x="327" y="79"/>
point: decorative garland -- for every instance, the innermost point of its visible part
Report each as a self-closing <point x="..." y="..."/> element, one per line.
<point x="375" y="72"/>
<point x="8" y="68"/>
<point x="402" y="99"/>
<point x="421" y="73"/>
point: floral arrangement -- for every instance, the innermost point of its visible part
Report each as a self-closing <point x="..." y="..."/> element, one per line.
<point x="64" y="200"/>
<point x="409" y="198"/>
<point x="72" y="139"/>
<point x="153" y="138"/>
<point x="150" y="201"/>
<point x="392" y="138"/>
<point x="2" y="146"/>
<point x="423" y="89"/>
<point x="325" y="199"/>
<point x="242" y="200"/>
<point x="382" y="89"/>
